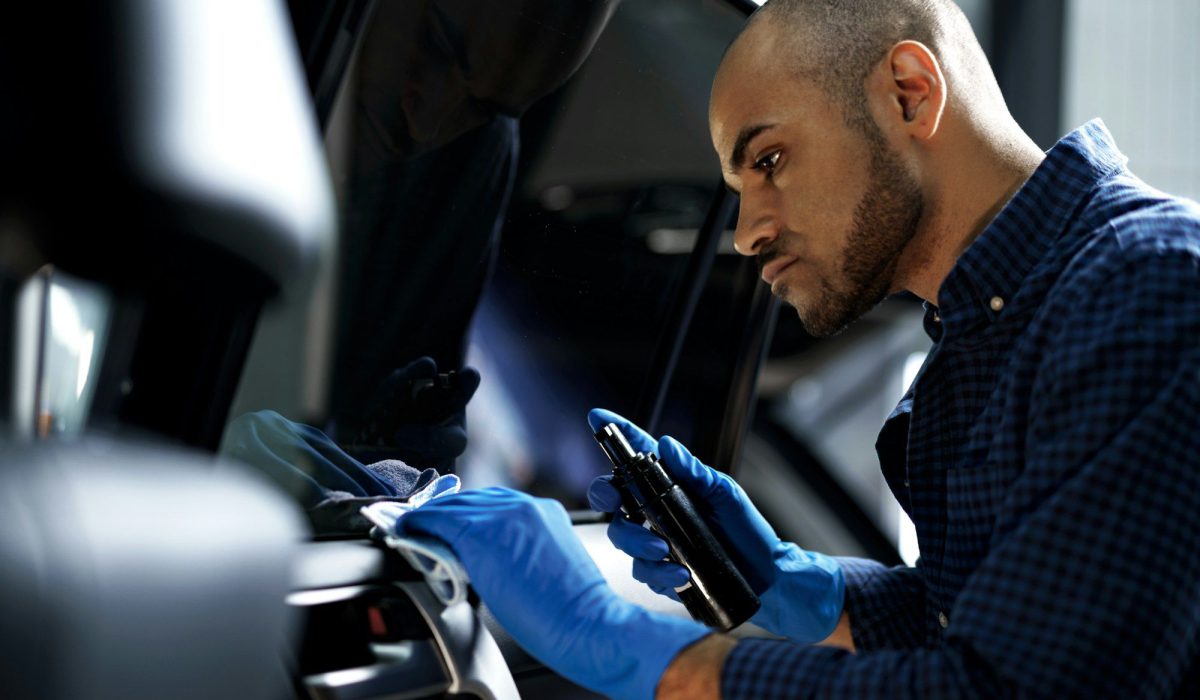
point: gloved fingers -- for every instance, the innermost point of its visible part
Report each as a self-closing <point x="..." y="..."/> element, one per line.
<point x="486" y="512"/>
<point x="699" y="479"/>
<point x="464" y="387"/>
<point x="667" y="591"/>
<point x="660" y="574"/>
<point x="638" y="439"/>
<point x="636" y="541"/>
<point x="468" y="383"/>
<point x="603" y="496"/>
<point x="440" y="518"/>
<point x="443" y="399"/>
<point x="420" y="368"/>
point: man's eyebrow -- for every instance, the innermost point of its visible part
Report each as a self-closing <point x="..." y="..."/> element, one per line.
<point x="738" y="152"/>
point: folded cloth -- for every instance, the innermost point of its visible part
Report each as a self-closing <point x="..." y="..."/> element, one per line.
<point x="331" y="485"/>
<point x="433" y="559"/>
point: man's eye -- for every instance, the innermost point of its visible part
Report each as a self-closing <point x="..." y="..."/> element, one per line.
<point x="768" y="162"/>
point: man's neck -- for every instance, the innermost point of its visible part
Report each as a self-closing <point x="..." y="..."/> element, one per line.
<point x="976" y="182"/>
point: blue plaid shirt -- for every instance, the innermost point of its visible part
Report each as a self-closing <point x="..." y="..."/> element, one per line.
<point x="1049" y="454"/>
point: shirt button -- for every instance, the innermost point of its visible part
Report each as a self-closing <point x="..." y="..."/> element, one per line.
<point x="937" y="318"/>
<point x="943" y="620"/>
<point x="997" y="304"/>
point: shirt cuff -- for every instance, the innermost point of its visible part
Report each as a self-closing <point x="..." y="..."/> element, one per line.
<point x="762" y="669"/>
<point x="884" y="604"/>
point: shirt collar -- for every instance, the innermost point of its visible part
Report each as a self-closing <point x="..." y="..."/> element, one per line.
<point x="991" y="270"/>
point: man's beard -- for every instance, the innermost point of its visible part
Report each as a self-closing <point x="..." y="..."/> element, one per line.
<point x="885" y="220"/>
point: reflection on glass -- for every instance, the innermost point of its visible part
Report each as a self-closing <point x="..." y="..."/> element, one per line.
<point x="497" y="249"/>
<point x="66" y="320"/>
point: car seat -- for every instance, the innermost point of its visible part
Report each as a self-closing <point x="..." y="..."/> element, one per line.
<point x="164" y="152"/>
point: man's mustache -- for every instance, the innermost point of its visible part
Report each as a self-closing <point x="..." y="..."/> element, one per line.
<point x="772" y="250"/>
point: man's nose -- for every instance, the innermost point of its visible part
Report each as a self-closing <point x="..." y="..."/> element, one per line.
<point x="756" y="228"/>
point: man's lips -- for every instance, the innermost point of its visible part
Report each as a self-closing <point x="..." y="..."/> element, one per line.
<point x="773" y="269"/>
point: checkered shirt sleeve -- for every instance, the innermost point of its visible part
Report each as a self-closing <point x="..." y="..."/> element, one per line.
<point x="885" y="603"/>
<point x="1090" y="584"/>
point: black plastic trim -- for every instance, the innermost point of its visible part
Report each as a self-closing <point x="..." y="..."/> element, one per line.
<point x="739" y="398"/>
<point x="327" y="52"/>
<point x="674" y="334"/>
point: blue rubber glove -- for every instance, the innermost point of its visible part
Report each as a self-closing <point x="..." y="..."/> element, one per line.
<point x="801" y="592"/>
<point x="536" y="578"/>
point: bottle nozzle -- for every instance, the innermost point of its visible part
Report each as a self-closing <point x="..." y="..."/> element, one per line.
<point x="615" y="445"/>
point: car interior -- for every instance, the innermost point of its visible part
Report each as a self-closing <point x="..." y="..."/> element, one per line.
<point x="214" y="211"/>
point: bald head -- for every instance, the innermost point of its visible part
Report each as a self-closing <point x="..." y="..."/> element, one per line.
<point x="835" y="43"/>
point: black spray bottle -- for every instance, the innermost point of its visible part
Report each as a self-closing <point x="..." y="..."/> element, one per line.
<point x="717" y="594"/>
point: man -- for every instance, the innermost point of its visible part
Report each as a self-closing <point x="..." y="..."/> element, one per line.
<point x="1047" y="451"/>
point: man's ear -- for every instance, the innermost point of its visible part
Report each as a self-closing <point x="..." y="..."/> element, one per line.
<point x="912" y="85"/>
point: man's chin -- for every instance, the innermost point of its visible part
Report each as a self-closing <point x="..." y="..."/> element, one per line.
<point x="818" y="326"/>
<point x="817" y="319"/>
<point x="829" y="315"/>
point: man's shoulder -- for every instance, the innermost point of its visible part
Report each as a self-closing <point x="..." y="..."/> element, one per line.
<point x="1124" y="307"/>
<point x="1129" y="232"/>
<point x="1143" y="218"/>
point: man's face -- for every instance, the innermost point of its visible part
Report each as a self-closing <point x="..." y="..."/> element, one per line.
<point x="826" y="207"/>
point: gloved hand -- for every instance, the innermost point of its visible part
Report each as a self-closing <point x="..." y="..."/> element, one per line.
<point x="801" y="592"/>
<point x="417" y="416"/>
<point x="536" y="578"/>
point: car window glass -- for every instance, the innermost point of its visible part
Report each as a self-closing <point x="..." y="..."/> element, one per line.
<point x="544" y="251"/>
<point x="618" y="178"/>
